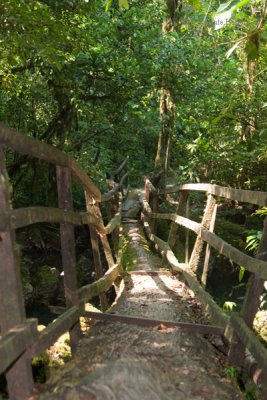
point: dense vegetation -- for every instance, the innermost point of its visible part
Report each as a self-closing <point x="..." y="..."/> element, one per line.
<point x="87" y="77"/>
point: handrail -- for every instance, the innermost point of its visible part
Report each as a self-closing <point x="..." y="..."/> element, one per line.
<point x="238" y="327"/>
<point x="20" y="340"/>
<point x="109" y="195"/>
<point x="244" y="196"/>
<point x="254" y="265"/>
<point x="21" y="217"/>
<point x="43" y="151"/>
<point x="120" y="168"/>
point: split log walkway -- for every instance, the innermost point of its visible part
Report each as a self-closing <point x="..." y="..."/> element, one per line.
<point x="129" y="362"/>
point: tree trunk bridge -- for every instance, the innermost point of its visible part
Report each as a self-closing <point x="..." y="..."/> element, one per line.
<point x="148" y="345"/>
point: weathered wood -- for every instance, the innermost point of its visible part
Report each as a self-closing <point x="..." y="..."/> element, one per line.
<point x="146" y="208"/>
<point x="207" y="255"/>
<point x="199" y="243"/>
<point x="244" y="196"/>
<point x="249" y="340"/>
<point x="208" y="304"/>
<point x="251" y="304"/>
<point x="187" y="215"/>
<point x="32" y="147"/>
<point x="120" y="168"/>
<point x="109" y="195"/>
<point x="65" y="322"/>
<point x="98" y="264"/>
<point x="113" y="223"/>
<point x="155" y="199"/>
<point x="147" y="322"/>
<point x="94" y="208"/>
<point x="68" y="255"/>
<point x="256" y="266"/>
<point x="12" y="312"/>
<point x="181" y="209"/>
<point x="15" y="342"/>
<point x="14" y="219"/>
<point x="94" y="289"/>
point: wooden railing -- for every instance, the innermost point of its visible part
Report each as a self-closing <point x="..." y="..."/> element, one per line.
<point x="20" y="340"/>
<point x="238" y="327"/>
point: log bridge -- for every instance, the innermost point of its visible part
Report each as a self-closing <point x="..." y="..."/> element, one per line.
<point x="20" y="340"/>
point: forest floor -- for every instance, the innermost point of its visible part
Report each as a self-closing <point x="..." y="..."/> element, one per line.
<point x="116" y="361"/>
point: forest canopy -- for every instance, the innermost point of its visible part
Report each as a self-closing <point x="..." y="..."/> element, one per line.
<point x="89" y="78"/>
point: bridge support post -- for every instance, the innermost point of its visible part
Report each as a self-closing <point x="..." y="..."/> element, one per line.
<point x="179" y="211"/>
<point x="67" y="238"/>
<point x="12" y="312"/>
<point x="98" y="264"/>
<point x="199" y="243"/>
<point x="251" y="304"/>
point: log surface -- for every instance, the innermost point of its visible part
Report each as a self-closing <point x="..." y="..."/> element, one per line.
<point x="118" y="361"/>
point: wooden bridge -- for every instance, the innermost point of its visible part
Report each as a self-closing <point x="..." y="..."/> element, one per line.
<point x="20" y="340"/>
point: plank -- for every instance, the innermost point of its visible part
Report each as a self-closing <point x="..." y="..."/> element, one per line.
<point x="94" y="289"/>
<point x="257" y="266"/>
<point x="43" y="151"/>
<point x="120" y="168"/>
<point x="16" y="341"/>
<point x="147" y="322"/>
<point x="109" y="195"/>
<point x="54" y="330"/>
<point x="244" y="196"/>
<point x="250" y="341"/>
<point x="207" y="302"/>
<point x="113" y="223"/>
<point x="14" y="219"/>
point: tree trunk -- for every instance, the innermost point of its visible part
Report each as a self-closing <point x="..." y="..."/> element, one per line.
<point x="167" y="104"/>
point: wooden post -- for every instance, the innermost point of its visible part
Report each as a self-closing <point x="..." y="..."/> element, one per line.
<point x="68" y="255"/>
<point x="179" y="211"/>
<point x="207" y="255"/>
<point x="107" y="250"/>
<point x="251" y="304"/>
<point x="147" y="189"/>
<point x="199" y="243"/>
<point x="155" y="199"/>
<point x="187" y="215"/>
<point x="98" y="264"/>
<point x="12" y="312"/>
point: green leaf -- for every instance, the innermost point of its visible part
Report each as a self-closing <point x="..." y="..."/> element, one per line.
<point x="241" y="273"/>
<point x="229" y="305"/>
<point x="123" y="4"/>
<point x="108" y="5"/>
<point x="195" y="3"/>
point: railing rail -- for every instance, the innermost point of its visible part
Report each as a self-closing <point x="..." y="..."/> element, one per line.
<point x="20" y="340"/>
<point x="238" y="328"/>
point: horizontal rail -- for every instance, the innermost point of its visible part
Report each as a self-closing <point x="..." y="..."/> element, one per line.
<point x="147" y="322"/>
<point x="244" y="196"/>
<point x="208" y="304"/>
<point x="54" y="330"/>
<point x="94" y="289"/>
<point x="21" y="217"/>
<point x="254" y="265"/>
<point x="43" y="151"/>
<point x="113" y="223"/>
<point x="249" y="339"/>
<point x="120" y="168"/>
<point x="108" y="196"/>
<point x="16" y="341"/>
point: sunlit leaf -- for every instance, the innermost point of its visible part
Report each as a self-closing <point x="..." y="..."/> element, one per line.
<point x="108" y="5"/>
<point x="123" y="4"/>
<point x="195" y="3"/>
<point x="241" y="273"/>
